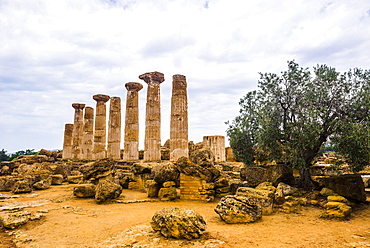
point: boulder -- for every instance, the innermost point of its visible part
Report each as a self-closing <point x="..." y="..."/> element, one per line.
<point x="42" y="184"/>
<point x="178" y="223"/>
<point x="99" y="168"/>
<point x="238" y="209"/>
<point x="263" y="198"/>
<point x="7" y="183"/>
<point x="275" y="174"/>
<point x="350" y="186"/>
<point x="187" y="167"/>
<point x="107" y="190"/>
<point x="327" y="192"/>
<point x="167" y="194"/>
<point x="31" y="159"/>
<point x="57" y="179"/>
<point x="279" y="173"/>
<point x="165" y="172"/>
<point x="16" y="219"/>
<point x="84" y="191"/>
<point x="266" y="186"/>
<point x="169" y="184"/>
<point x="75" y="179"/>
<point x="202" y="157"/>
<point x="152" y="188"/>
<point x="253" y="175"/>
<point x="22" y="186"/>
<point x="337" y="210"/>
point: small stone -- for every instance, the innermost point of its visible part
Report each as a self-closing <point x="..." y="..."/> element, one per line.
<point x="57" y="179"/>
<point x="167" y="194"/>
<point x="84" y="190"/>
<point x="338" y="210"/>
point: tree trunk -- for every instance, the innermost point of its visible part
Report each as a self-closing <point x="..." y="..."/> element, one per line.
<point x="306" y="181"/>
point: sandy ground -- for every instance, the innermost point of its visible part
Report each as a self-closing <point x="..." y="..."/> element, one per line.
<point x="73" y="222"/>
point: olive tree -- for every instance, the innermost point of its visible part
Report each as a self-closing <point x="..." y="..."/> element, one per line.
<point x="292" y="115"/>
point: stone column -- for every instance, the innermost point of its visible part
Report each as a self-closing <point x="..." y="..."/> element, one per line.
<point x="131" y="143"/>
<point x="100" y="133"/>
<point x="217" y="145"/>
<point x="114" y="129"/>
<point x="88" y="133"/>
<point x="152" y="142"/>
<point x="67" y="143"/>
<point x="77" y="130"/>
<point x="179" y="119"/>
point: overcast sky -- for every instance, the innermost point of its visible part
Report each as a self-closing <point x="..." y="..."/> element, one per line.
<point x="59" y="52"/>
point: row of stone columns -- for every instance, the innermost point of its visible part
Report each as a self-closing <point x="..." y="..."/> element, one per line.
<point x="83" y="141"/>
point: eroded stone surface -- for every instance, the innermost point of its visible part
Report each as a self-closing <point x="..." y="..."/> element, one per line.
<point x="178" y="223"/>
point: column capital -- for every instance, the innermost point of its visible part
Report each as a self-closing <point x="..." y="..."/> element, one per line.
<point x="133" y="86"/>
<point x="101" y="98"/>
<point x="78" y="105"/>
<point x="152" y="77"/>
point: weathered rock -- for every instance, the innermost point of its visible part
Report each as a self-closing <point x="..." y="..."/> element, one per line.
<point x="202" y="157"/>
<point x="235" y="184"/>
<point x="221" y="182"/>
<point x="75" y="179"/>
<point x="22" y="186"/>
<point x="178" y="223"/>
<point x="57" y="179"/>
<point x="165" y="172"/>
<point x="107" y="190"/>
<point x="366" y="180"/>
<point x="61" y="170"/>
<point x="139" y="168"/>
<point x="167" y="194"/>
<point x="350" y="186"/>
<point x="31" y="159"/>
<point x="185" y="166"/>
<point x="97" y="169"/>
<point x="327" y="192"/>
<point x="337" y="198"/>
<point x="84" y="190"/>
<point x="7" y="183"/>
<point x="43" y="184"/>
<point x="169" y="184"/>
<point x="152" y="188"/>
<point x="337" y="210"/>
<point x="264" y="198"/>
<point x="279" y="173"/>
<point x="253" y="175"/>
<point x="238" y="209"/>
<point x="266" y="186"/>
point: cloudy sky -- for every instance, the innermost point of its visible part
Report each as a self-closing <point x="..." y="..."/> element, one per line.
<point x="59" y="52"/>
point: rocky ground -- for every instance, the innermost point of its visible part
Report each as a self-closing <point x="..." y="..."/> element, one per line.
<point x="74" y="222"/>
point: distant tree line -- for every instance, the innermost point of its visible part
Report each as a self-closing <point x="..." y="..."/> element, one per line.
<point x="5" y="157"/>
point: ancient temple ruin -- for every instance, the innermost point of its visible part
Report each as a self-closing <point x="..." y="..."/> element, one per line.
<point x="89" y="137"/>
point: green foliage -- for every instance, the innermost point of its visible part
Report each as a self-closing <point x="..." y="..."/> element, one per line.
<point x="15" y="155"/>
<point x="3" y="155"/>
<point x="294" y="114"/>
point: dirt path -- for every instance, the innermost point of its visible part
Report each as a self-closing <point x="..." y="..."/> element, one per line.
<point x="73" y="222"/>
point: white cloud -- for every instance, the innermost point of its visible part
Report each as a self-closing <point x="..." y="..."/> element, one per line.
<point x="54" y="53"/>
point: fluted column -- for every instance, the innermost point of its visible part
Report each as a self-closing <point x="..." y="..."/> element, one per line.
<point x="88" y="133"/>
<point x="152" y="142"/>
<point x="67" y="142"/>
<point x="77" y="130"/>
<point x="114" y="128"/>
<point x="179" y="119"/>
<point x="131" y="143"/>
<point x="100" y="133"/>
